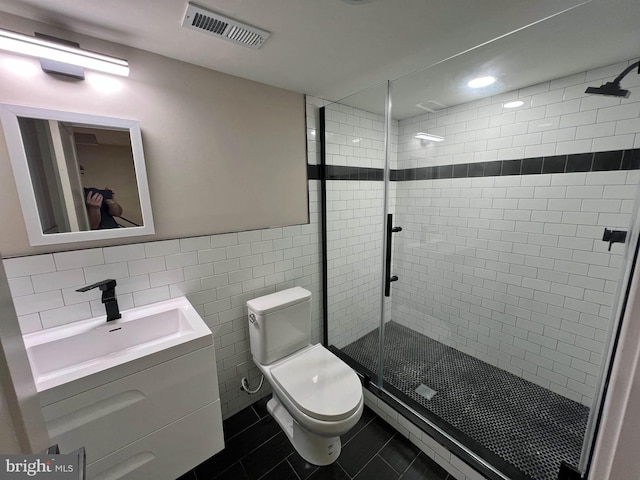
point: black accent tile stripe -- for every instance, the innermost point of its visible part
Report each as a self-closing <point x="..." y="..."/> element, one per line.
<point x="428" y="173"/>
<point x="444" y="171"/>
<point x="476" y="170"/>
<point x="605" y="161"/>
<point x="511" y="167"/>
<point x="461" y="170"/>
<point x="531" y="166"/>
<point x="631" y="159"/>
<point x="342" y="172"/>
<point x="555" y="164"/>
<point x="313" y="172"/>
<point x="580" y="162"/>
<point x="492" y="169"/>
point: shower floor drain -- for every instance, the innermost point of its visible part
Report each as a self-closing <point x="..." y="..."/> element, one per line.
<point x="425" y="391"/>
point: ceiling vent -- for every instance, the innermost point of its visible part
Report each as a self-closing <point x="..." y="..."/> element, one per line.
<point x="431" y="106"/>
<point x="202" y="20"/>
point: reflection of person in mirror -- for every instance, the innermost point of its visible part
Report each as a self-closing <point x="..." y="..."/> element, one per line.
<point x="101" y="208"/>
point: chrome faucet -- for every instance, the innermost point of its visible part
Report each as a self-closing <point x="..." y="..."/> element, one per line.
<point x="108" y="288"/>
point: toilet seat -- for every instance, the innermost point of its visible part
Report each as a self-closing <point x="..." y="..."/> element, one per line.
<point x="319" y="384"/>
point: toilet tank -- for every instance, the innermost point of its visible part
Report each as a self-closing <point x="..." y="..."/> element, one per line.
<point x="279" y="324"/>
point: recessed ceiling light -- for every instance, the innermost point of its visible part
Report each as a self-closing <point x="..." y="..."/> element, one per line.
<point x="514" y="104"/>
<point x="429" y="136"/>
<point x="480" y="82"/>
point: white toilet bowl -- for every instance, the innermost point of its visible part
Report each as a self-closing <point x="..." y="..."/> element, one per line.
<point x="316" y="398"/>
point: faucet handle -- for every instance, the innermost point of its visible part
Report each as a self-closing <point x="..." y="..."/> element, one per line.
<point x="104" y="285"/>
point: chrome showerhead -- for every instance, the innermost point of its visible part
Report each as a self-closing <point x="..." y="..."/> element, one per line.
<point x="613" y="89"/>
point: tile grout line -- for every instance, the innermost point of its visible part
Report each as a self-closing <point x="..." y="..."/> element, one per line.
<point x="261" y="445"/>
<point x="249" y="453"/>
<point x="293" y="469"/>
<point x="410" y="464"/>
<point x="376" y="454"/>
<point x="274" y="467"/>
<point x="363" y="427"/>
<point x="383" y="459"/>
<point x="243" y="469"/>
<point x="345" y="472"/>
<point x="241" y="431"/>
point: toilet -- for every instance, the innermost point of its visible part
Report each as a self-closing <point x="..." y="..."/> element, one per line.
<point x="316" y="396"/>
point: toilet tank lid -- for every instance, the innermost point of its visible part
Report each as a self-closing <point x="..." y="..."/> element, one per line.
<point x="278" y="300"/>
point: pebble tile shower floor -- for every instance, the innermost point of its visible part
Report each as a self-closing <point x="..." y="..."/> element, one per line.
<point x="528" y="426"/>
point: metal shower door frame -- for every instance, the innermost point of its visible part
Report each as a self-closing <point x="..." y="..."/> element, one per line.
<point x="632" y="248"/>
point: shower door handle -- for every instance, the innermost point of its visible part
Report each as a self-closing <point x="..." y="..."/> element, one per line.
<point x="390" y="278"/>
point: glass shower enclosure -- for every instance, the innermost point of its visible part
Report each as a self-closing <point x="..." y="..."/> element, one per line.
<point x="466" y="276"/>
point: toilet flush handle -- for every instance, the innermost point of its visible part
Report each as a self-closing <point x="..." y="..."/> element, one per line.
<point x="252" y="318"/>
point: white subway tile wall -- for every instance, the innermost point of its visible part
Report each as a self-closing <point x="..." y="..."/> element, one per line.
<point x="354" y="224"/>
<point x="354" y="258"/>
<point x="558" y="119"/>
<point x="353" y="137"/>
<point x="512" y="273"/>
<point x="218" y="274"/>
<point x="512" y="270"/>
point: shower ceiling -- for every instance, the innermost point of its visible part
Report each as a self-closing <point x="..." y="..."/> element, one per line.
<point x="332" y="49"/>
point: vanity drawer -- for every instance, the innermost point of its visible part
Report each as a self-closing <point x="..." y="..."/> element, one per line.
<point x="167" y="453"/>
<point x="111" y="416"/>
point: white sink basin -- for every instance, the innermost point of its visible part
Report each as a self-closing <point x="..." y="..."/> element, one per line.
<point x="70" y="352"/>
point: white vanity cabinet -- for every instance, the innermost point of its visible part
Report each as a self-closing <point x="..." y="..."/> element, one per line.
<point x="155" y="424"/>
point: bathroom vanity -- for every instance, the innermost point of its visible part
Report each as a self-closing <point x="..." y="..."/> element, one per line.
<point x="140" y="393"/>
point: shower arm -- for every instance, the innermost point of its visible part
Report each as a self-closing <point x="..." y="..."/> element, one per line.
<point x="626" y="71"/>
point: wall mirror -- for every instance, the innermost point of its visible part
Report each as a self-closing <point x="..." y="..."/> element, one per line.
<point x="79" y="177"/>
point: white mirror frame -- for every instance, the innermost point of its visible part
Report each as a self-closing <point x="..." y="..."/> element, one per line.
<point x="9" y="116"/>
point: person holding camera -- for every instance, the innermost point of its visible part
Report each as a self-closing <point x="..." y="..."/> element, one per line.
<point x="101" y="208"/>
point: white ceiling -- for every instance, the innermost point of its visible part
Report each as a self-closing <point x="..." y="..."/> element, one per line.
<point x="331" y="49"/>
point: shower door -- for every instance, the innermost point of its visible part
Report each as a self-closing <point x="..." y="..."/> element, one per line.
<point x="485" y="309"/>
<point x="354" y="204"/>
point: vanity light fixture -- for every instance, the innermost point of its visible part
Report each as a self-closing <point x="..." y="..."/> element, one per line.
<point x="514" y="104"/>
<point x="429" y="136"/>
<point x="480" y="82"/>
<point x="40" y="48"/>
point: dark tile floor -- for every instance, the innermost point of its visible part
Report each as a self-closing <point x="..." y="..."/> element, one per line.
<point x="256" y="448"/>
